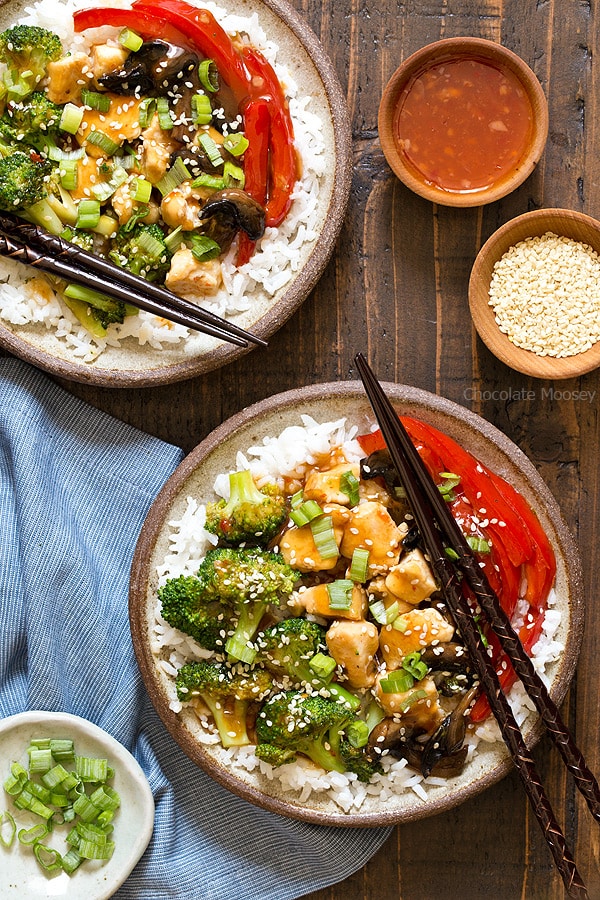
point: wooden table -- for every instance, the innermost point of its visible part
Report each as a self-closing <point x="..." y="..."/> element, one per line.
<point x="397" y="290"/>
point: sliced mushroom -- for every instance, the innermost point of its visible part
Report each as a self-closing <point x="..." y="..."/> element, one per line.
<point x="446" y="744"/>
<point x="229" y="211"/>
<point x="153" y="70"/>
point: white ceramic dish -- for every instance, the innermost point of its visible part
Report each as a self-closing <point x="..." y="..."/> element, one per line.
<point x="20" y="875"/>
<point x="132" y="365"/>
<point x="216" y="454"/>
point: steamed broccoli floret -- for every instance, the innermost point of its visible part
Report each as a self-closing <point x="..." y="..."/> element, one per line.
<point x="227" y="691"/>
<point x="26" y="51"/>
<point x="241" y="583"/>
<point x="296" y="647"/>
<point x="184" y="607"/>
<point x="23" y="180"/>
<point x="79" y="237"/>
<point x="143" y="251"/>
<point x="293" y="722"/>
<point x="250" y="515"/>
<point x="34" y="121"/>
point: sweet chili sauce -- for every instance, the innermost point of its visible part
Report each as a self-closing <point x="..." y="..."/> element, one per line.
<point x="463" y="124"/>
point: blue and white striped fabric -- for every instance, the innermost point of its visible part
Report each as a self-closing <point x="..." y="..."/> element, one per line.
<point x="75" y="486"/>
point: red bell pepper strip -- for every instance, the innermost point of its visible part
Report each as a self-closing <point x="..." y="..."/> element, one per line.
<point x="256" y="162"/>
<point x="147" y="24"/>
<point x="283" y="159"/>
<point x="207" y="36"/>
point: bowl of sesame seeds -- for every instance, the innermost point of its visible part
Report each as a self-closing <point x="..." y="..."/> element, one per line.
<point x="534" y="293"/>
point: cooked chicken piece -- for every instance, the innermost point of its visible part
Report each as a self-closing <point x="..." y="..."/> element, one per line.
<point x="425" y="712"/>
<point x="315" y="600"/>
<point x="106" y="57"/>
<point x="412" y="579"/>
<point x="189" y="277"/>
<point x="123" y="204"/>
<point x="157" y="148"/>
<point x="121" y="123"/>
<point x="353" y="645"/>
<point x="340" y="515"/>
<point x="372" y="528"/>
<point x="412" y="631"/>
<point x="372" y="489"/>
<point x="325" y="487"/>
<point x="378" y="591"/>
<point x="67" y="76"/>
<point x="181" y="207"/>
<point x="298" y="548"/>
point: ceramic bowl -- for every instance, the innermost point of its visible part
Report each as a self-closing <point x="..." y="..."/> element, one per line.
<point x="419" y="176"/>
<point x="20" y="875"/>
<point x="265" y="309"/>
<point x="562" y="222"/>
<point x="218" y="454"/>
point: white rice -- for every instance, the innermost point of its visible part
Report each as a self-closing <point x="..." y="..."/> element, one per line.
<point x="272" y="266"/>
<point x="288" y="455"/>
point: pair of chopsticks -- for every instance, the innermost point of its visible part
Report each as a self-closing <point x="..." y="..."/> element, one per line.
<point x="30" y="244"/>
<point x="440" y="531"/>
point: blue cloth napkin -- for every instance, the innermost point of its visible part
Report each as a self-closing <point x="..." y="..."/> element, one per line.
<point x="75" y="487"/>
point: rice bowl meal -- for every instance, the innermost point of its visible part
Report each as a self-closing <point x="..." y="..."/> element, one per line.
<point x="290" y="630"/>
<point x="218" y="166"/>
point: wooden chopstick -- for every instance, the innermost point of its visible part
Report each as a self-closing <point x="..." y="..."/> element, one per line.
<point x="417" y="481"/>
<point x="34" y="246"/>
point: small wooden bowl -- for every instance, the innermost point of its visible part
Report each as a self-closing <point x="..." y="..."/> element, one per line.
<point x="448" y="50"/>
<point x="563" y="222"/>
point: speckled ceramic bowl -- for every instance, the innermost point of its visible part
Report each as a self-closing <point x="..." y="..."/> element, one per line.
<point x="135" y="365"/>
<point x="195" y="477"/>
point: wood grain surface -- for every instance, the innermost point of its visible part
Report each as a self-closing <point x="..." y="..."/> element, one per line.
<point x="396" y="289"/>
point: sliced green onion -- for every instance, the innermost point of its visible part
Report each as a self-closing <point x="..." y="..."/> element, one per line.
<point x="357" y="733"/>
<point x="174" y="239"/>
<point x="400" y="624"/>
<point x="103" y="141"/>
<point x="88" y="214"/>
<point x="141" y="190"/>
<point x="324" y="537"/>
<point x="40" y="760"/>
<point x="215" y="182"/>
<point x="130" y="40"/>
<point x="56" y="154"/>
<point x="413" y="664"/>
<point x="322" y="665"/>
<point x="397" y="682"/>
<point x="451" y="553"/>
<point x="107" y="226"/>
<point x="146" y="111"/>
<point x="173" y="177"/>
<point x="204" y="248"/>
<point x="236" y="144"/>
<point x="340" y="594"/>
<point x="71" y="118"/>
<point x="93" y="850"/>
<point x="33" y="834"/>
<point x="233" y="176"/>
<point x="26" y="800"/>
<point x="91" y="768"/>
<point x="68" y="172"/>
<point x="297" y="499"/>
<point x="446" y="488"/>
<point x="16" y="781"/>
<point x="165" y="118"/>
<point x="305" y="513"/>
<point x="105" y="189"/>
<point x="153" y="248"/>
<point x="478" y="544"/>
<point x="95" y="100"/>
<point x="211" y="149"/>
<point x="359" y="566"/>
<point x="8" y="829"/>
<point x="374" y="715"/>
<point x="105" y="798"/>
<point x="384" y="615"/>
<point x="209" y="75"/>
<point x="40" y="743"/>
<point x="71" y="861"/>
<point x="49" y="859"/>
<point x="241" y="649"/>
<point x="412" y="698"/>
<point x="38" y="790"/>
<point x="84" y="808"/>
<point x="349" y="486"/>
<point x="201" y="109"/>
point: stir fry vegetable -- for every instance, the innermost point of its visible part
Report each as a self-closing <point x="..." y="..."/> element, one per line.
<point x="356" y="656"/>
<point x="168" y="145"/>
